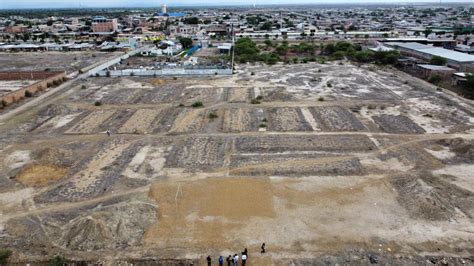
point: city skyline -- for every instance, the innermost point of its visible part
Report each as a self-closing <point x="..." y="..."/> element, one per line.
<point x="29" y="4"/>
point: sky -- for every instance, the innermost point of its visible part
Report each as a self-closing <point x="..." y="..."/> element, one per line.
<point x="13" y="4"/>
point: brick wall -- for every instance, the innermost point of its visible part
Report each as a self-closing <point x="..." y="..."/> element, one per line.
<point x="15" y="96"/>
<point x="28" y="75"/>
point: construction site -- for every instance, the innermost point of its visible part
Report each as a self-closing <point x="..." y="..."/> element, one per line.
<point x="324" y="163"/>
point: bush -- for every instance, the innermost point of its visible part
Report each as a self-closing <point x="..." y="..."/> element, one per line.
<point x="57" y="261"/>
<point x="438" y="60"/>
<point x="259" y="97"/>
<point x="80" y="71"/>
<point x="246" y="50"/>
<point x="212" y="115"/>
<point x="252" y="73"/>
<point x="175" y="78"/>
<point x="435" y="79"/>
<point x="263" y="125"/>
<point x="4" y="255"/>
<point x="107" y="74"/>
<point x="197" y="104"/>
<point x="98" y="103"/>
<point x="295" y="60"/>
<point x="338" y="55"/>
<point x="329" y="85"/>
<point x="28" y="94"/>
<point x="132" y="74"/>
<point x="264" y="120"/>
<point x="49" y="85"/>
<point x="255" y="101"/>
<point x="181" y="105"/>
<point x="321" y="99"/>
<point x="56" y="82"/>
<point x="97" y="74"/>
<point x="83" y="87"/>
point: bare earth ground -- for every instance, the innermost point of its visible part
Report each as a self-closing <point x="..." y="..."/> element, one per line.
<point x="337" y="164"/>
<point x="55" y="61"/>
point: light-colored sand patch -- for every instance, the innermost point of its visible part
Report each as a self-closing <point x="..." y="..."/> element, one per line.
<point x="17" y="159"/>
<point x="59" y="121"/>
<point x="187" y="120"/>
<point x="147" y="163"/>
<point x="91" y="122"/>
<point x="442" y="154"/>
<point x="309" y="118"/>
<point x="238" y="95"/>
<point x="140" y="122"/>
<point x="13" y="200"/>
<point x="463" y="172"/>
<point x="257" y="92"/>
<point x="392" y="164"/>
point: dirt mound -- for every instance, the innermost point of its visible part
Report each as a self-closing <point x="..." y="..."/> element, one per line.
<point x="116" y="226"/>
<point x="87" y="234"/>
<point x="430" y="198"/>
<point x="157" y="82"/>
<point x="464" y="149"/>
<point x="40" y="174"/>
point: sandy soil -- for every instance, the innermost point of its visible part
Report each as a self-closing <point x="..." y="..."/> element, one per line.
<point x="378" y="169"/>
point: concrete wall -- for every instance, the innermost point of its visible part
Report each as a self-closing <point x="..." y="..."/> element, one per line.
<point x="15" y="96"/>
<point x="166" y="72"/>
<point x="110" y="63"/>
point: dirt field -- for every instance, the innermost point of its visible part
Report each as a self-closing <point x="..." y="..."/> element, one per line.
<point x="335" y="164"/>
<point x="55" y="61"/>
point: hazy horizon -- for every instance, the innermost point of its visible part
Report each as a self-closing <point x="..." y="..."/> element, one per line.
<point x="33" y="4"/>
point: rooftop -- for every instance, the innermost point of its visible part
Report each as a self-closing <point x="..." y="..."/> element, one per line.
<point x="435" y="67"/>
<point x="427" y="49"/>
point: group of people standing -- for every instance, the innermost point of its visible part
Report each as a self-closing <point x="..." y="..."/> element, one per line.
<point x="234" y="260"/>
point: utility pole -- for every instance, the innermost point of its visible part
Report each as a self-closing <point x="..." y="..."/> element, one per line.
<point x="233" y="48"/>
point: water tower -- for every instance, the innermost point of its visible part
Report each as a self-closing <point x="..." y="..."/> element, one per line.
<point x="163" y="9"/>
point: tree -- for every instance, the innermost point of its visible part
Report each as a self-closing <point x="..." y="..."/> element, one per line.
<point x="427" y="32"/>
<point x="329" y="49"/>
<point x="246" y="50"/>
<point x="438" y="60"/>
<point x="186" y="42"/>
<point x="266" y="26"/>
<point x="281" y="49"/>
<point x="363" y="56"/>
<point x="268" y="43"/>
<point x="191" y="20"/>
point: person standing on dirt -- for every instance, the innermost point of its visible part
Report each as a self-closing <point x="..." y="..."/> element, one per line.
<point x="209" y="260"/>
<point x="229" y="260"/>
<point x="244" y="259"/>
<point x="108" y="132"/>
<point x="245" y="252"/>
<point x="221" y="261"/>
<point x="262" y="248"/>
<point x="236" y="259"/>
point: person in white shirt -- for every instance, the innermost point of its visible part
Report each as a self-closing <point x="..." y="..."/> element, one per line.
<point x="244" y="259"/>
<point x="236" y="260"/>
